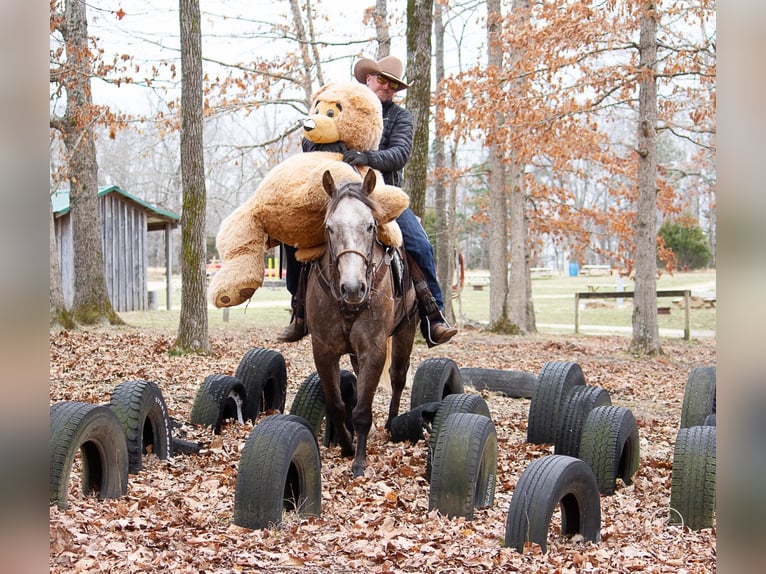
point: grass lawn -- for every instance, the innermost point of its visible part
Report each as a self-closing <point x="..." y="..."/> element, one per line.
<point x="553" y="299"/>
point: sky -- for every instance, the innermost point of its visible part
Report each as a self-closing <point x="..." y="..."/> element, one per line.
<point x="148" y="31"/>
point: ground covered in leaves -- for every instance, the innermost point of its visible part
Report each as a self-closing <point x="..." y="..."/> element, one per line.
<point x="177" y="514"/>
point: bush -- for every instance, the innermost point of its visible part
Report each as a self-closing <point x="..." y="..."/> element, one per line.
<point x="688" y="243"/>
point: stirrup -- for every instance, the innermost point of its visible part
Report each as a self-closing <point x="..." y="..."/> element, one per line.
<point x="436" y="330"/>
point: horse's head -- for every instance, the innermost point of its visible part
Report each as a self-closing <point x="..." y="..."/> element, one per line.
<point x="350" y="229"/>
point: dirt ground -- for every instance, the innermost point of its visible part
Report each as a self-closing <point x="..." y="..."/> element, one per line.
<point x="177" y="514"/>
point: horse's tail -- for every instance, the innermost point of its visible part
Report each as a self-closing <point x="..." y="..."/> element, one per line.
<point x="385" y="376"/>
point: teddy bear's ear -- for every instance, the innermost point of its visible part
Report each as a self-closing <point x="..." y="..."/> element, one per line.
<point x="328" y="183"/>
<point x="369" y="181"/>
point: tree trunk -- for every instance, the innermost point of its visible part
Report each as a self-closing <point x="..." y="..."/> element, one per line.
<point x="646" y="338"/>
<point x="381" y="29"/>
<point x="520" y="306"/>
<point x="445" y="259"/>
<point x="419" y="24"/>
<point x="498" y="209"/>
<point x="303" y="41"/>
<point x="91" y="302"/>
<point x="521" y="311"/>
<point x="193" y="328"/>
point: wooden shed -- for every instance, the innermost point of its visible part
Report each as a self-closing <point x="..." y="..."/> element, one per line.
<point x="125" y="223"/>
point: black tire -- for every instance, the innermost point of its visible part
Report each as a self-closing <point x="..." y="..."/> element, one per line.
<point x="546" y="483"/>
<point x="410" y="425"/>
<point x="278" y="470"/>
<point x="581" y="400"/>
<point x="464" y="466"/>
<point x="183" y="446"/>
<point x="554" y="382"/>
<point x="219" y="398"/>
<point x="699" y="397"/>
<point x="348" y="394"/>
<point x="141" y="410"/>
<point x="309" y="402"/>
<point x="609" y="444"/>
<point x="514" y="384"/>
<point x="709" y="420"/>
<point x="264" y="376"/>
<point x="462" y="403"/>
<point x="94" y="432"/>
<point x="692" y="489"/>
<point x="281" y="418"/>
<point x="435" y="379"/>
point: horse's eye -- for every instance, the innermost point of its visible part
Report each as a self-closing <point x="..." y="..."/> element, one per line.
<point x="370" y="228"/>
<point x="330" y="113"/>
<point x="329" y="229"/>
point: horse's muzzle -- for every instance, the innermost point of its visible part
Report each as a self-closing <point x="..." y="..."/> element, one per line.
<point x="353" y="293"/>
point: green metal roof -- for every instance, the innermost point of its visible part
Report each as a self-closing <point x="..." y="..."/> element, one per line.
<point x="60" y="201"/>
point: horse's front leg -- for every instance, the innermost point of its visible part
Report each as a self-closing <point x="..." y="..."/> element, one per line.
<point x="370" y="368"/>
<point x="401" y="349"/>
<point x="335" y="408"/>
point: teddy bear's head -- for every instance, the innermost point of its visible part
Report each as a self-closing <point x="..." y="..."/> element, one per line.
<point x="345" y="112"/>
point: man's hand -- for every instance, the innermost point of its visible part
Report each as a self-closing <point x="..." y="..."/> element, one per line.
<point x="353" y="157"/>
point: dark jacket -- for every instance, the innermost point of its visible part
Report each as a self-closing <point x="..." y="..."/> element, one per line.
<point x="395" y="143"/>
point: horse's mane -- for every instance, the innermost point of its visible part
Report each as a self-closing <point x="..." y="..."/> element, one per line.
<point x="352" y="189"/>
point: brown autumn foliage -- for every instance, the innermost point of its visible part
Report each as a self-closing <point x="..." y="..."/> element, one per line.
<point x="177" y="514"/>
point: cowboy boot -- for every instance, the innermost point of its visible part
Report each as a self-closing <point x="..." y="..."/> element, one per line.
<point x="297" y="329"/>
<point x="434" y="327"/>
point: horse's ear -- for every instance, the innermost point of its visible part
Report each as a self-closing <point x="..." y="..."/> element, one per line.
<point x="369" y="181"/>
<point x="328" y="183"/>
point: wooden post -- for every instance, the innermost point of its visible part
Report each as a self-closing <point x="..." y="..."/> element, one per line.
<point x="577" y="313"/>
<point x="687" y="327"/>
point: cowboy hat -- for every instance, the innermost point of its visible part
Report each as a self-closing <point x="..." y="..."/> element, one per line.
<point x="389" y="67"/>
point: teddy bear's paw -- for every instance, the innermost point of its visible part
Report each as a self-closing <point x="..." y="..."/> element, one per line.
<point x="227" y="300"/>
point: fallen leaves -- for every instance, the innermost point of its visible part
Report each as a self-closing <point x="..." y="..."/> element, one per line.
<point x="177" y="514"/>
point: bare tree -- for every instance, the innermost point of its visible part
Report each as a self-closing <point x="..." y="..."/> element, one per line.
<point x="419" y="24"/>
<point x="381" y="29"/>
<point x="646" y="338"/>
<point x="193" y="325"/>
<point x="496" y="178"/>
<point x="521" y="311"/>
<point x="445" y="240"/>
<point x="91" y="302"/>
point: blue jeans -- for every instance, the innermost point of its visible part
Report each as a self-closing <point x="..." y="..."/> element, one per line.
<point x="419" y="248"/>
<point x="415" y="242"/>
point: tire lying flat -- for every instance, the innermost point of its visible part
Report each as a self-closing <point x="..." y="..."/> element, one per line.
<point x="279" y="469"/>
<point x="546" y="483"/>
<point x="435" y="379"/>
<point x="141" y="410"/>
<point x="554" y="382"/>
<point x="692" y="490"/>
<point x="94" y="432"/>
<point x="219" y="398"/>
<point x="263" y="373"/>
<point x="509" y="383"/>
<point x="609" y="444"/>
<point x="464" y="466"/>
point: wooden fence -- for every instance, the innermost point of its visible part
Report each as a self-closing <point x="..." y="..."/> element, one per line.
<point x="685" y="293"/>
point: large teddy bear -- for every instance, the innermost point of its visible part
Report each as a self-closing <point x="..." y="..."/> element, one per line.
<point x="288" y="206"/>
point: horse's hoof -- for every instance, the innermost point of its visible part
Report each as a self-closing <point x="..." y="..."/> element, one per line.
<point x="357" y="470"/>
